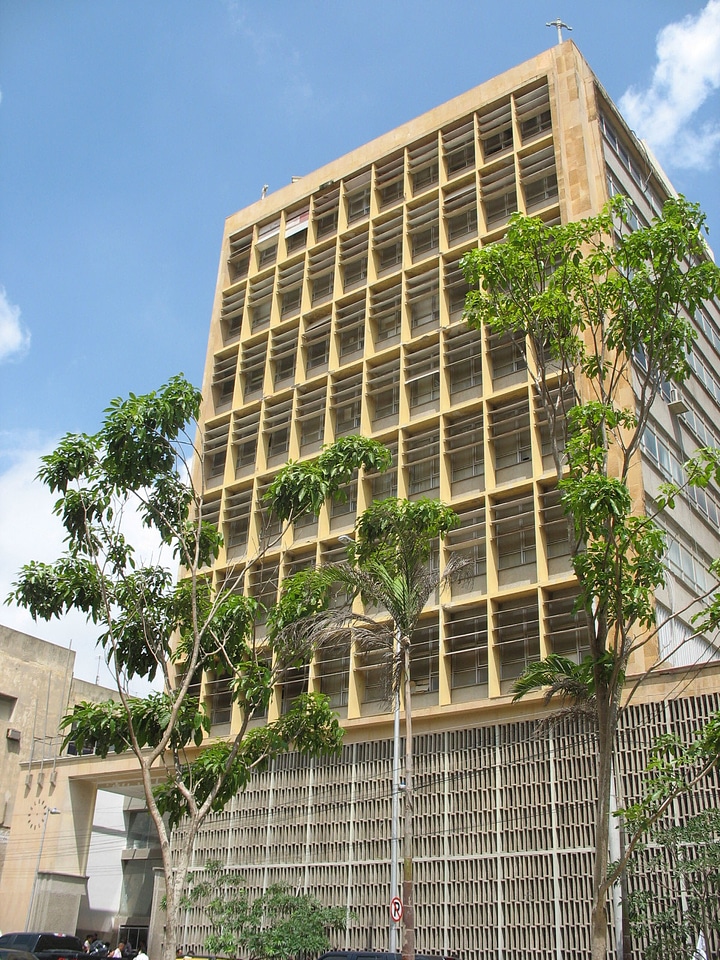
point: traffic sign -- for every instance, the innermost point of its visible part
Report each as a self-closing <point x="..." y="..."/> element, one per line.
<point x="396" y="909"/>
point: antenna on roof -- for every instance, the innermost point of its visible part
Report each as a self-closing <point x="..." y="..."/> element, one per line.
<point x="264" y="191"/>
<point x="561" y="25"/>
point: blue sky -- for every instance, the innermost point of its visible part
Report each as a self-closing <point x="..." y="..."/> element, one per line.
<point x="129" y="130"/>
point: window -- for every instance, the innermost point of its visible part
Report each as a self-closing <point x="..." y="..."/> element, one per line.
<point x="464" y="443"/>
<point x="422" y="375"/>
<point x="276" y="428"/>
<point x="237" y="519"/>
<point x="510" y="440"/>
<point x="568" y="632"/>
<point x="469" y="541"/>
<point x="386" y="314"/>
<point x="514" y="538"/>
<point x="325" y="213"/>
<point x="231" y="315"/>
<point x="423" y="296"/>
<point x="517" y="638"/>
<point x="311" y="416"/>
<point x="354" y="260"/>
<point x="332" y="666"/>
<point x="423" y="164"/>
<point x="463" y="358"/>
<point x="346" y="403"/>
<point x="252" y="368"/>
<point x="557" y="529"/>
<point x="350" y="324"/>
<point x="283" y="354"/>
<point x="290" y="280"/>
<point x="507" y="359"/>
<point x="533" y="112"/>
<point x="499" y="193"/>
<point x="456" y="289"/>
<point x="422" y="459"/>
<point x="424" y="229"/>
<point x="539" y="178"/>
<point x="384" y="485"/>
<point x="267" y="242"/>
<point x="424" y="662"/>
<point x="495" y="125"/>
<point x="389" y="181"/>
<point x="239" y="259"/>
<point x="215" y="451"/>
<point x="344" y="503"/>
<point x="357" y="192"/>
<point x="322" y="274"/>
<point x="316" y="342"/>
<point x="466" y="641"/>
<point x="460" y="211"/>
<point x="383" y="387"/>
<point x="223" y="381"/>
<point x="260" y="302"/>
<point x="388" y="244"/>
<point x="296" y="227"/>
<point x="219" y="694"/>
<point x="459" y="147"/>
<point x="245" y="434"/>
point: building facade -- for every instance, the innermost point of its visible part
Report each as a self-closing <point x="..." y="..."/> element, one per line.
<point x="339" y="310"/>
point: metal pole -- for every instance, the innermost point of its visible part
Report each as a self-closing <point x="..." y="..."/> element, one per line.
<point x="48" y="811"/>
<point x="395" y="836"/>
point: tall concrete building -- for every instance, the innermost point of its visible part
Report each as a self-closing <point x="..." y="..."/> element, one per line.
<point x="339" y="310"/>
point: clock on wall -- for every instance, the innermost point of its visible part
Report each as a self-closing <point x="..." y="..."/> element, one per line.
<point x="36" y="813"/>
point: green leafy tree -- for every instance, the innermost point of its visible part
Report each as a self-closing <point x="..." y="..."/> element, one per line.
<point x="388" y="568"/>
<point x="141" y="459"/>
<point x="277" y="925"/>
<point x="679" y="904"/>
<point x="601" y="313"/>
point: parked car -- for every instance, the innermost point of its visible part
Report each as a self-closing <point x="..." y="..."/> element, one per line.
<point x="45" y="946"/>
<point x="7" y="953"/>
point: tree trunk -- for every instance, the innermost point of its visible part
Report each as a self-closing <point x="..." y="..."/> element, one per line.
<point x="408" y="895"/>
<point x="607" y="724"/>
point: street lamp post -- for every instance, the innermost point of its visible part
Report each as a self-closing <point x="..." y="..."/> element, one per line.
<point x="48" y="811"/>
<point x="395" y="835"/>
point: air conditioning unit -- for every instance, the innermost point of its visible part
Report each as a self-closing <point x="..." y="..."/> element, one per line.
<point x="676" y="404"/>
<point x="13" y="734"/>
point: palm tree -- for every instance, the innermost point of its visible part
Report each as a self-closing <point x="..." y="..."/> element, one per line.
<point x="388" y="568"/>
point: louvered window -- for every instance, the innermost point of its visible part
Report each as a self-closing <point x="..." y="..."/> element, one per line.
<point x="423" y="296"/>
<point x="459" y="147"/>
<point x="245" y="436"/>
<point x="252" y="368"/>
<point x="424" y="229"/>
<point x="389" y="181"/>
<point x="423" y="164"/>
<point x="495" y="125"/>
<point x="350" y="324"/>
<point x="223" y="381"/>
<point x="386" y="314"/>
<point x="383" y="388"/>
<point x="239" y="259"/>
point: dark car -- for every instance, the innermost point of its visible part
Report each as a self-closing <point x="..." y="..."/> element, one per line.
<point x="7" y="953"/>
<point x="45" y="946"/>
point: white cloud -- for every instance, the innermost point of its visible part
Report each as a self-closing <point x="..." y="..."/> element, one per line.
<point x="14" y="338"/>
<point x="686" y="75"/>
<point x="30" y="531"/>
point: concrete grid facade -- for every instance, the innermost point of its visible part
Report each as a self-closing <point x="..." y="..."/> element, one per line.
<point x="339" y="310"/>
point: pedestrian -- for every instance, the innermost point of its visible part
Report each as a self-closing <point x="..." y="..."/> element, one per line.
<point x="141" y="955"/>
<point x="118" y="951"/>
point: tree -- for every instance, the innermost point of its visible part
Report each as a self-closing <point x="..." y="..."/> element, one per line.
<point x="602" y="315"/>
<point x="388" y="569"/>
<point x="277" y="925"/>
<point x="141" y="459"/>
<point x="682" y="905"/>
